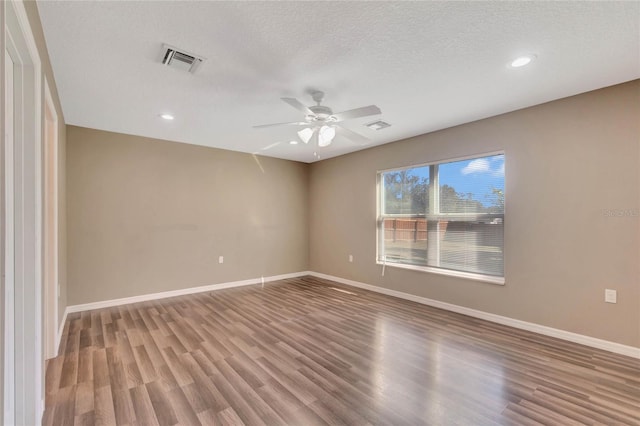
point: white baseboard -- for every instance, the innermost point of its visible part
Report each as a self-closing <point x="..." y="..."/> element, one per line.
<point x="523" y="325"/>
<point x="181" y="292"/>
<point x="166" y="294"/>
<point x="41" y="410"/>
<point x="61" y="329"/>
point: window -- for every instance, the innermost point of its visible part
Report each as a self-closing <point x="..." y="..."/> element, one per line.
<point x="445" y="217"/>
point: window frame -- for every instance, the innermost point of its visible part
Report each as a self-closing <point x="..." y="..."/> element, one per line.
<point x="380" y="217"/>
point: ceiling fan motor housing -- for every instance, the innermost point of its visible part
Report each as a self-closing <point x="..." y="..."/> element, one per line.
<point x="322" y="113"/>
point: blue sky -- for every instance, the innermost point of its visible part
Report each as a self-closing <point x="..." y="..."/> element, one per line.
<point x="477" y="176"/>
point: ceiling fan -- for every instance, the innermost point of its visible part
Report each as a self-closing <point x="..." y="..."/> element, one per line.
<point x="321" y="124"/>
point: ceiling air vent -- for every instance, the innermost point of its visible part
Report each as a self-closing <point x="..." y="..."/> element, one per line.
<point x="378" y="125"/>
<point x="180" y="59"/>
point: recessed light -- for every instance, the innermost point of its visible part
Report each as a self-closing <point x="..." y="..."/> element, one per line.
<point x="522" y="61"/>
<point x="168" y="117"/>
<point x="293" y="142"/>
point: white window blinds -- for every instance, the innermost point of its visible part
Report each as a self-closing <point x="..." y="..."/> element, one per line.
<point x="446" y="215"/>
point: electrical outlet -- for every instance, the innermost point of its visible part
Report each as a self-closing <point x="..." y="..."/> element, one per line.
<point x="350" y="258"/>
<point x="220" y="259"/>
<point x="610" y="296"/>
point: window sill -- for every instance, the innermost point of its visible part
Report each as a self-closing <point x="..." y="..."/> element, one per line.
<point x="458" y="274"/>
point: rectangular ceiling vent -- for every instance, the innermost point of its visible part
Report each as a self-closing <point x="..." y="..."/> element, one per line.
<point x="180" y="59"/>
<point x="378" y="125"/>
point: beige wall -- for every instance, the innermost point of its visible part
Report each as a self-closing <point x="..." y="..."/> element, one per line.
<point x="147" y="215"/>
<point x="566" y="161"/>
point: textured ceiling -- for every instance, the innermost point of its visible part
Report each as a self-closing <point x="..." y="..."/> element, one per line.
<point x="427" y="65"/>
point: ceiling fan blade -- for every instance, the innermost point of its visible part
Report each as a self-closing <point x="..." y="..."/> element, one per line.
<point x="358" y="112"/>
<point x="291" y="123"/>
<point x="298" y="105"/>
<point x="351" y="135"/>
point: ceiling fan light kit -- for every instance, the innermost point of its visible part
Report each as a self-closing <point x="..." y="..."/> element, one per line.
<point x="321" y="124"/>
<point x="305" y="134"/>
<point x="326" y="135"/>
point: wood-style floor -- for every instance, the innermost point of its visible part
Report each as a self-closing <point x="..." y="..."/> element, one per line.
<point x="307" y="351"/>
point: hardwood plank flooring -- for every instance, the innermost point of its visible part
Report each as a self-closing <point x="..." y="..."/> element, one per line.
<point x="300" y="352"/>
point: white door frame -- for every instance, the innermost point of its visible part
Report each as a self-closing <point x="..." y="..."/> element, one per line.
<point x="8" y="255"/>
<point x="51" y="293"/>
<point x="26" y="345"/>
<point x="3" y="221"/>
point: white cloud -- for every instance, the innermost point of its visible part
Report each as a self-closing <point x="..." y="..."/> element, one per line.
<point x="479" y="165"/>
<point x="500" y="170"/>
